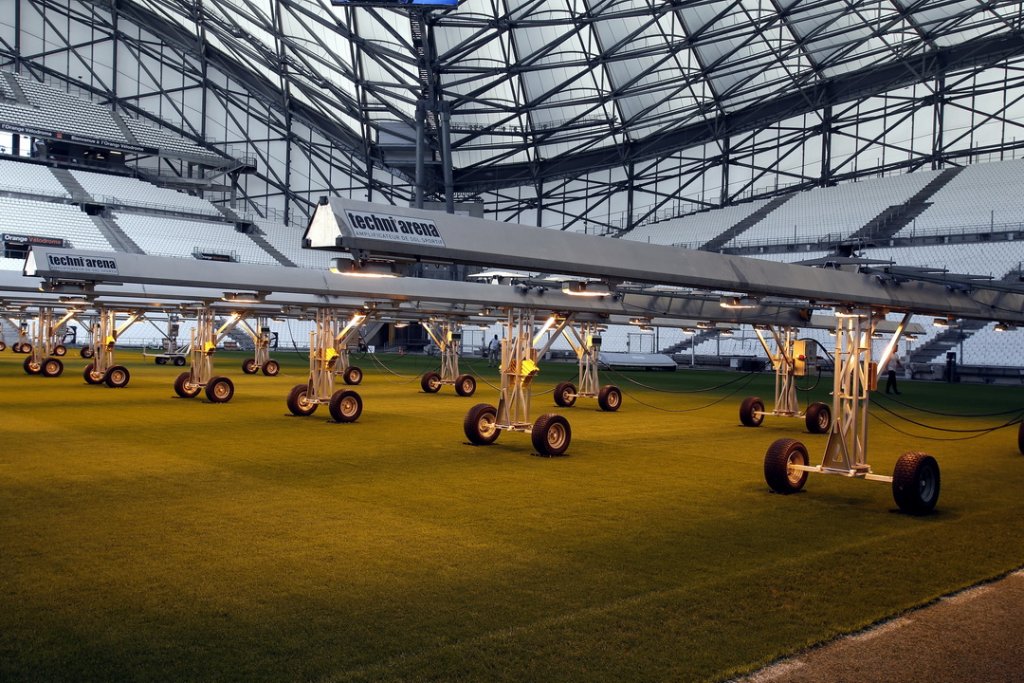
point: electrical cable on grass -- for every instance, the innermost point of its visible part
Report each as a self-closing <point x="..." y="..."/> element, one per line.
<point x="977" y="432"/>
<point x="407" y="379"/>
<point x="1012" y="411"/>
<point x="945" y="438"/>
<point x="749" y="377"/>
<point x="682" y="391"/>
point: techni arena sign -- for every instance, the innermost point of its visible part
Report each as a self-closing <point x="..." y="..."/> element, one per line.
<point x="394" y="228"/>
<point x="82" y="264"/>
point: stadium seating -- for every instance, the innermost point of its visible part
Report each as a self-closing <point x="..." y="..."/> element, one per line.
<point x="25" y="178"/>
<point x="694" y="230"/>
<point x="48" y="219"/>
<point x="136" y="193"/>
<point x="288" y="241"/>
<point x="161" y="236"/>
<point x="151" y="136"/>
<point x="980" y="196"/>
<point x="833" y="213"/>
<point x="57" y="110"/>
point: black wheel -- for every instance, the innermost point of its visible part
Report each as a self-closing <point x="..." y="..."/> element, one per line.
<point x="752" y="411"/>
<point x="90" y="376"/>
<point x="430" y="382"/>
<point x="297" y="402"/>
<point x="52" y="367"/>
<point x="609" y="398"/>
<point x="818" y="418"/>
<point x="3" y="345"/>
<point x="220" y="390"/>
<point x="86" y="352"/>
<point x="117" y="377"/>
<point x="465" y="385"/>
<point x="780" y="476"/>
<point x="551" y="434"/>
<point x="249" y="366"/>
<point x="915" y="483"/>
<point x="271" y="368"/>
<point x="60" y="350"/>
<point x="480" y="424"/>
<point x="353" y="375"/>
<point x="345" y="406"/>
<point x="26" y="347"/>
<point x="565" y="394"/>
<point x="179" y="361"/>
<point x="32" y="367"/>
<point x="184" y="387"/>
<point x="160" y="361"/>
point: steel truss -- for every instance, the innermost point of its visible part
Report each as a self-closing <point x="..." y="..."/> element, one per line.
<point x="550" y="433"/>
<point x="104" y="334"/>
<point x="915" y="479"/>
<point x="45" y="347"/>
<point x="693" y="126"/>
<point x="585" y="342"/>
<point x="447" y="334"/>
<point x="790" y="360"/>
<point x="328" y="358"/>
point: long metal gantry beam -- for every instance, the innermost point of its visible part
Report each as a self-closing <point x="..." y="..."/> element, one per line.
<point x="374" y="231"/>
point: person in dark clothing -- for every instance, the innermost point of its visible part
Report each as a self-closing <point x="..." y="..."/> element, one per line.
<point x="890" y="382"/>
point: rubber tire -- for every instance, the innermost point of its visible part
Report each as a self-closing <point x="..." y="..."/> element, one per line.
<point x="220" y="390"/>
<point x="26" y="348"/>
<point x="345" y="406"/>
<point x="179" y="361"/>
<point x="91" y="378"/>
<point x="551" y="434"/>
<point x="160" y="361"/>
<point x="479" y="424"/>
<point x="916" y="483"/>
<point x="271" y="368"/>
<point x="185" y="390"/>
<point x="751" y="405"/>
<point x="52" y="367"/>
<point x="818" y="418"/>
<point x="565" y="394"/>
<point x="32" y="368"/>
<point x="3" y="345"/>
<point x="86" y="352"/>
<point x="352" y="376"/>
<point x="430" y="382"/>
<point x="465" y="385"/>
<point x="297" y="405"/>
<point x="60" y="350"/>
<point x="776" y="466"/>
<point x="117" y="377"/>
<point x="249" y="366"/>
<point x="609" y="398"/>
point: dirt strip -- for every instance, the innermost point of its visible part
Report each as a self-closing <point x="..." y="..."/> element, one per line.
<point x="976" y="635"/>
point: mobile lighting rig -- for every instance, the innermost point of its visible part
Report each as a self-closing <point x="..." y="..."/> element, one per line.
<point x="370" y="231"/>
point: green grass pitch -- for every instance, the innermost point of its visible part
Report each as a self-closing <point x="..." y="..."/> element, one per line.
<point x="146" y="537"/>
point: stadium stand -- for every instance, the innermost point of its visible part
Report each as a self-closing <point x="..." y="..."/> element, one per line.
<point x="57" y="110"/>
<point x="25" y="178"/>
<point x="288" y="241"/>
<point x="832" y="213"/>
<point x="696" y="229"/>
<point x="49" y="219"/>
<point x="151" y="136"/>
<point x="161" y="236"/>
<point x="981" y="197"/>
<point x="125" y="191"/>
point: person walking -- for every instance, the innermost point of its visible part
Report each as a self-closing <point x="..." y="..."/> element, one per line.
<point x="493" y="352"/>
<point x="890" y="382"/>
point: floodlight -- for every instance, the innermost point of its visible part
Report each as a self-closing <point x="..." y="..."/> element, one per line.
<point x="377" y="269"/>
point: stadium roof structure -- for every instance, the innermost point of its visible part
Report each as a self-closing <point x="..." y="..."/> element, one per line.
<point x="520" y="93"/>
